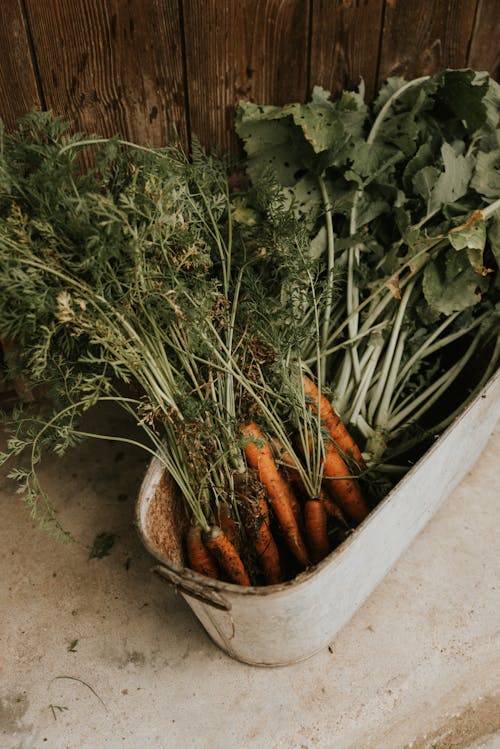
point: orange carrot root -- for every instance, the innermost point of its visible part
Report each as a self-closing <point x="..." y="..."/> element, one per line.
<point x="316" y="529"/>
<point x="341" y="486"/>
<point x="281" y="497"/>
<point x="283" y="456"/>
<point x="259" y="529"/>
<point x="343" y="489"/>
<point x="199" y="558"/>
<point x="336" y="429"/>
<point x="229" y="526"/>
<point x="226" y="555"/>
<point x="332" y="509"/>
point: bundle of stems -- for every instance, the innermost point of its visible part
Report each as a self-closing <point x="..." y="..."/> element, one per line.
<point x="374" y="387"/>
<point x="140" y="274"/>
<point x="402" y="203"/>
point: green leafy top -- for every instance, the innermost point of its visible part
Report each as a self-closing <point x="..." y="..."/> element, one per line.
<point x="398" y="207"/>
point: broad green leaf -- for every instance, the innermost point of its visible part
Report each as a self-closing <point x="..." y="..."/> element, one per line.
<point x="402" y="218"/>
<point x="471" y="236"/>
<point x="321" y="126"/>
<point x="368" y="158"/>
<point x="462" y="92"/>
<point x="449" y="286"/>
<point x="248" y="111"/>
<point x="370" y="209"/>
<point x="424" y="157"/>
<point x="342" y="194"/>
<point x="491" y="101"/>
<point x="322" y="97"/>
<point x="352" y="176"/>
<point x="418" y="247"/>
<point x="486" y="178"/>
<point x="404" y="128"/>
<point x="424" y="182"/>
<point x="268" y="144"/>
<point x="313" y="136"/>
<point x="452" y="183"/>
<point x="353" y="112"/>
<point x="454" y="264"/>
<point x="280" y="160"/>
<point x="389" y="88"/>
<point x="401" y="130"/>
<point x="305" y="198"/>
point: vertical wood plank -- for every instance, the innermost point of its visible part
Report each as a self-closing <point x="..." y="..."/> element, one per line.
<point x="421" y="38"/>
<point x="112" y="66"/>
<point x="345" y="44"/>
<point x="242" y="49"/>
<point x="484" y="51"/>
<point x="18" y="87"/>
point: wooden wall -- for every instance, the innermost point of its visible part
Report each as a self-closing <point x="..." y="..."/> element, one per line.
<point x="156" y="70"/>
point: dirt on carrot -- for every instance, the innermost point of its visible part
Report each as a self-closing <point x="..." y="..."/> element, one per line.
<point x="342" y="439"/>
<point x="226" y="555"/>
<point x="315" y="521"/>
<point x="257" y="524"/>
<point x="281" y="497"/>
<point x="199" y="558"/>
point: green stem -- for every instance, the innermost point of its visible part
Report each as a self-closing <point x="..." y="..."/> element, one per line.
<point x="421" y="352"/>
<point x="491" y="209"/>
<point x="364" y="385"/>
<point x="379" y="391"/>
<point x="102" y="141"/>
<point x="352" y="289"/>
<point x="431" y="394"/>
<point x="363" y="426"/>
<point x="387" y="106"/>
<point x="343" y="383"/>
<point x="115" y="438"/>
<point x="384" y="408"/>
<point x="489" y="371"/>
<point x="329" y="283"/>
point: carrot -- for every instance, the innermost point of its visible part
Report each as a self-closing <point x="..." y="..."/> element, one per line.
<point x="332" y="509"/>
<point x="226" y="555"/>
<point x="258" y="526"/>
<point x="259" y="456"/>
<point x="316" y="529"/>
<point x="199" y="558"/>
<point x="229" y="526"/>
<point x="343" y="489"/>
<point x="336" y="429"/>
<point x="291" y="467"/>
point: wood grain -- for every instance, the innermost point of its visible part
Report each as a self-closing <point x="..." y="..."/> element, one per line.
<point x="484" y="51"/>
<point x="118" y="66"/>
<point x="424" y="37"/>
<point x="246" y="49"/>
<point x="112" y="66"/>
<point x="18" y="87"/>
<point x="345" y="44"/>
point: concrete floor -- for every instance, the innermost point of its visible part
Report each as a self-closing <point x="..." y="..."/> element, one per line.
<point x="100" y="654"/>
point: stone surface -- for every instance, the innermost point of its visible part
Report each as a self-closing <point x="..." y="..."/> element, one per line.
<point x="99" y="653"/>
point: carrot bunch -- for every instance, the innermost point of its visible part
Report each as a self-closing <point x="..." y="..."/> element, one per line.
<point x="282" y="530"/>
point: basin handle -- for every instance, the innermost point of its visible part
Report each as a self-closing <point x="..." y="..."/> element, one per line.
<point x="193" y="588"/>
